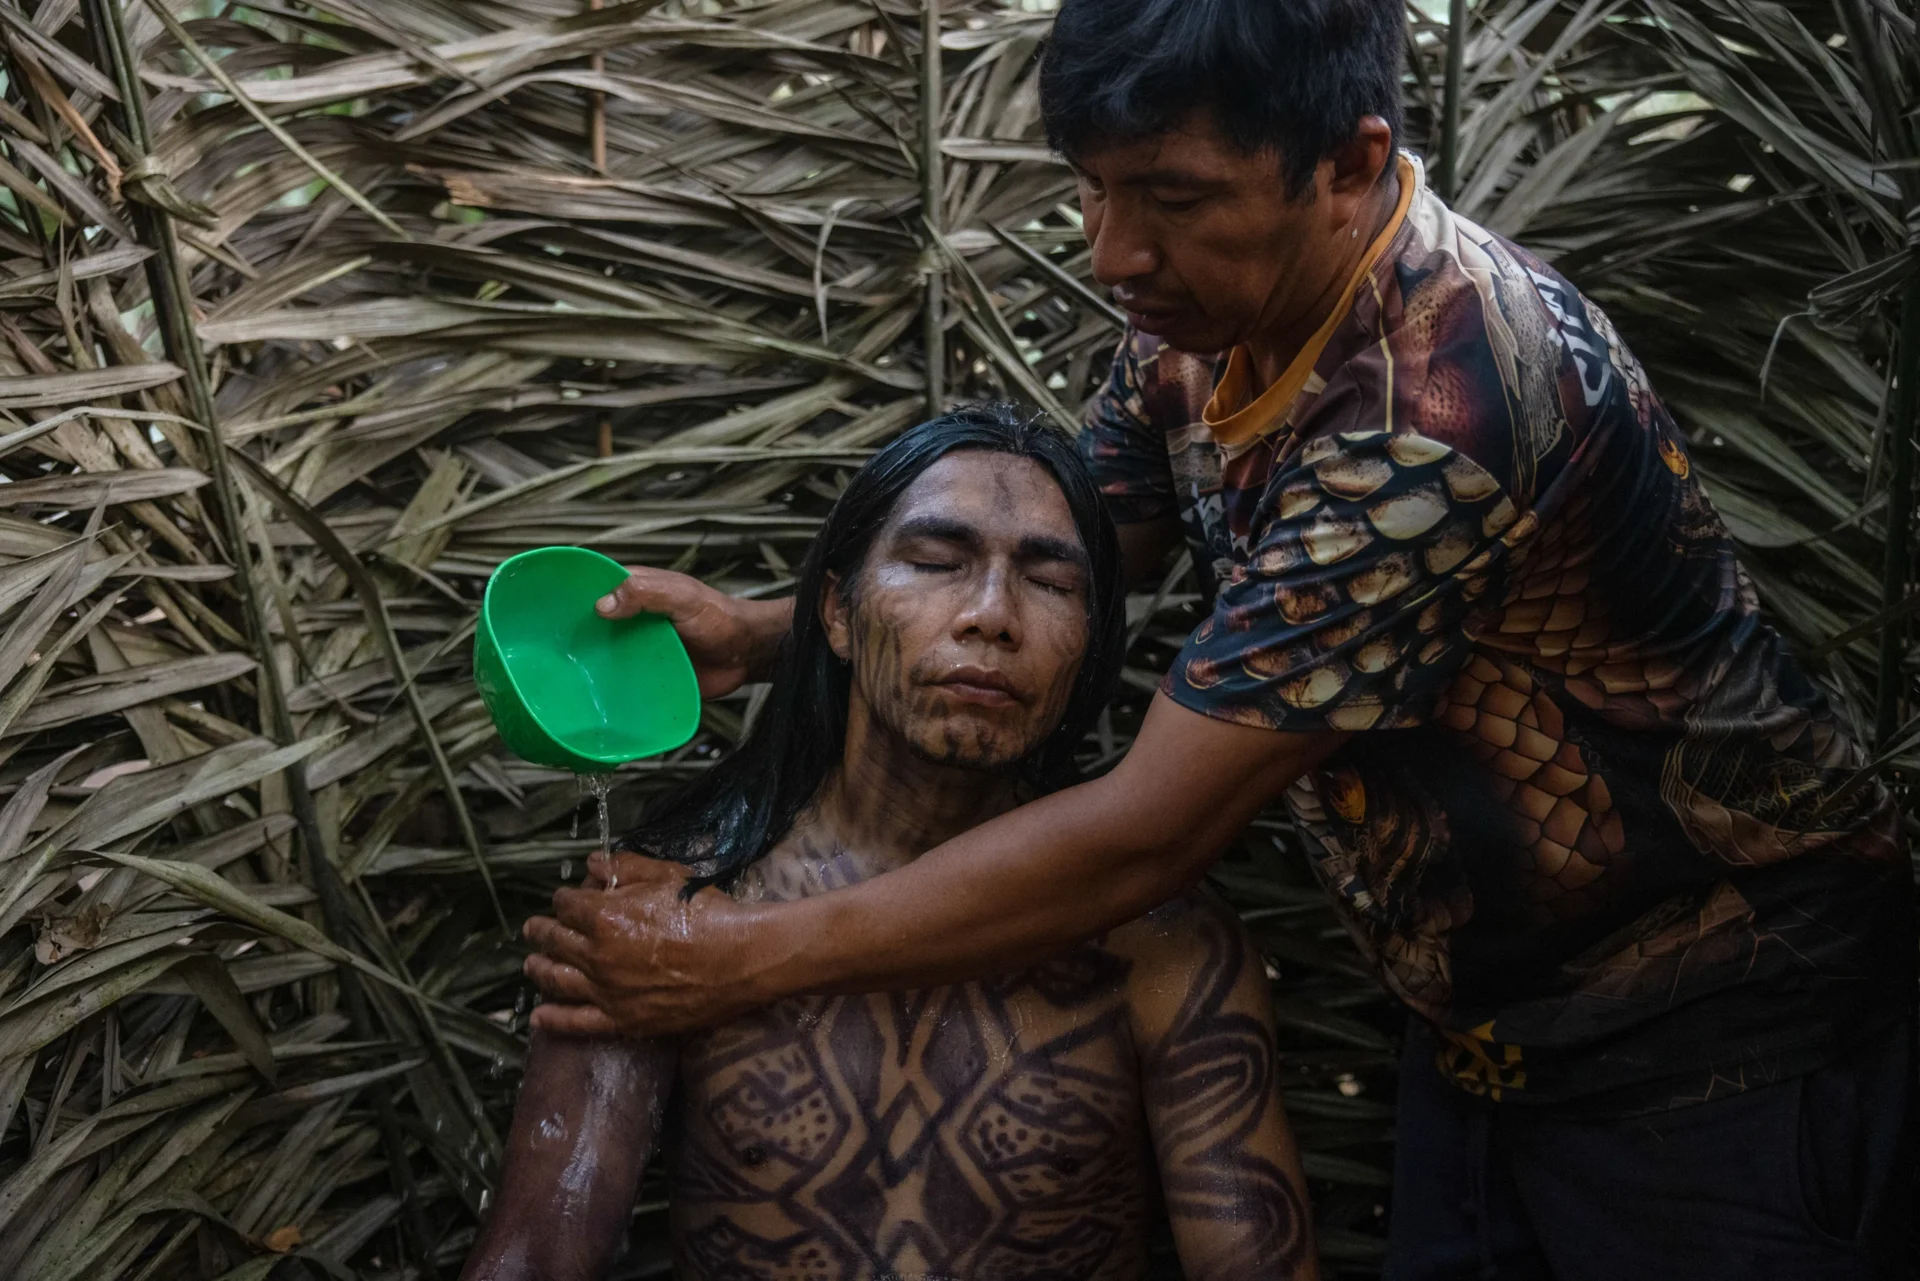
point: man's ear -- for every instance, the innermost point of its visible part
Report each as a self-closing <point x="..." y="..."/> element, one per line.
<point x="836" y="615"/>
<point x="1352" y="171"/>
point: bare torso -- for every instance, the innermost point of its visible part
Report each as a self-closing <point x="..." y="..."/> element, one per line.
<point x="988" y="1130"/>
<point x="980" y="1131"/>
<point x="1028" y="1127"/>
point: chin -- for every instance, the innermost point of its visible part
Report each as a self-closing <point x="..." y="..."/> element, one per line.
<point x="1187" y="334"/>
<point x="968" y="748"/>
<point x="955" y="756"/>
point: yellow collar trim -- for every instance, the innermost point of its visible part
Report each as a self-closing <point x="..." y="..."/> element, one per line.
<point x="1257" y="416"/>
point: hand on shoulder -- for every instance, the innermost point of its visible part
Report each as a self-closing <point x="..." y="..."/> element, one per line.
<point x="629" y="954"/>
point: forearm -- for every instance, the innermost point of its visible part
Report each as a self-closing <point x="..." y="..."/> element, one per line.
<point x="587" y="1116"/>
<point x="768" y="622"/>
<point x="1143" y="549"/>
<point x="644" y="958"/>
<point x="980" y="905"/>
<point x="1066" y="867"/>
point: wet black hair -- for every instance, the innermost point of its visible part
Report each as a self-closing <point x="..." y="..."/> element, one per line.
<point x="1289" y="76"/>
<point x="734" y="812"/>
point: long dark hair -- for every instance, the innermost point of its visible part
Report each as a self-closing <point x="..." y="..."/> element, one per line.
<point x="735" y="811"/>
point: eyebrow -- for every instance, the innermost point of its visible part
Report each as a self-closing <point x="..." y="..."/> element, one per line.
<point x="1033" y="547"/>
<point x="1172" y="178"/>
<point x="1164" y="176"/>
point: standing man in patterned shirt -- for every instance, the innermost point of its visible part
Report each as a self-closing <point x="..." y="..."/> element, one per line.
<point x="1475" y="617"/>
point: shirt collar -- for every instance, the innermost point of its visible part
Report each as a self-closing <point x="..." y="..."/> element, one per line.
<point x="1236" y="415"/>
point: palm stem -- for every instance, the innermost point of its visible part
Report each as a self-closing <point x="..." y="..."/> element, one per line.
<point x="932" y="197"/>
<point x="1448" y="179"/>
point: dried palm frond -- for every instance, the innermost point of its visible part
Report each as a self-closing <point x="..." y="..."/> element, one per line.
<point x="256" y="1002"/>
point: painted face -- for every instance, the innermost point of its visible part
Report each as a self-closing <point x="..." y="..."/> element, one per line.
<point x="1199" y="241"/>
<point x="969" y="619"/>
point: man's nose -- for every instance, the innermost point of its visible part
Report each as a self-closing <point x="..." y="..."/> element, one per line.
<point x="1120" y="251"/>
<point x="990" y="610"/>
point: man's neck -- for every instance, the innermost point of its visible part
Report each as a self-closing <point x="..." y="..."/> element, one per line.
<point x="889" y="804"/>
<point x="1273" y="350"/>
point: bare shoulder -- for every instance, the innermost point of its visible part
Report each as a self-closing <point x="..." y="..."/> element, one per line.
<point x="1180" y="932"/>
<point x="1191" y="961"/>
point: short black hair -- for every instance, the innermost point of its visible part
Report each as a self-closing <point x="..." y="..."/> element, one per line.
<point x="734" y="812"/>
<point x="1289" y="76"/>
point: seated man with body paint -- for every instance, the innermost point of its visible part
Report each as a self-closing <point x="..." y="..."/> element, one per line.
<point x="958" y="627"/>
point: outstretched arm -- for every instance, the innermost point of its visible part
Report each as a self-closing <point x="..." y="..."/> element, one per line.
<point x="586" y="1119"/>
<point x="642" y="961"/>
<point x="1209" y="1062"/>
<point x="733" y="641"/>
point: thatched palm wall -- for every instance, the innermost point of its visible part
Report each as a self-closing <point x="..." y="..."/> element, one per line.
<point x="361" y="297"/>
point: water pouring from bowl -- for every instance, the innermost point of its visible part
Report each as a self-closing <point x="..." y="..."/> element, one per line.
<point x="570" y="689"/>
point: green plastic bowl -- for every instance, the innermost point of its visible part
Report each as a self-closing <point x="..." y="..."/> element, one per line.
<point x="568" y="688"/>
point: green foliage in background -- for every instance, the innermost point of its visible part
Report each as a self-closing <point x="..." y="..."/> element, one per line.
<point x="258" y="1011"/>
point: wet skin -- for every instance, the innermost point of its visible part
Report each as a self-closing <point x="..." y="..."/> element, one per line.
<point x="1011" y="1127"/>
<point x="1006" y="1128"/>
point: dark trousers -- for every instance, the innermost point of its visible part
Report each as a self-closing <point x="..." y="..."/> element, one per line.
<point x="1807" y="1180"/>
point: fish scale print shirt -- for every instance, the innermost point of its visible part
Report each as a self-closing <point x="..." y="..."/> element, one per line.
<point x="1582" y="824"/>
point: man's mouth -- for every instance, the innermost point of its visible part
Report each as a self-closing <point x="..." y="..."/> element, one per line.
<point x="979" y="685"/>
<point x="1143" y="314"/>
